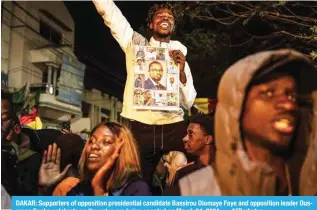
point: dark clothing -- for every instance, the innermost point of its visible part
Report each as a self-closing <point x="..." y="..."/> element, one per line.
<point x="187" y="170"/>
<point x="20" y="164"/>
<point x="156" y="140"/>
<point x="172" y="191"/>
<point x="149" y="85"/>
<point x="131" y="188"/>
<point x="138" y="83"/>
<point x="9" y="161"/>
<point x="41" y="139"/>
<point x="27" y="175"/>
<point x="20" y="178"/>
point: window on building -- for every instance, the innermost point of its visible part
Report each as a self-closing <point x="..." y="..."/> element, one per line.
<point x="44" y="77"/>
<point x="105" y="111"/>
<point x="119" y="117"/>
<point x="85" y="109"/>
<point x="50" y="33"/>
<point x="104" y="119"/>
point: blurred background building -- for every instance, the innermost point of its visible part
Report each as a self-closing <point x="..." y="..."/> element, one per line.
<point x="38" y="64"/>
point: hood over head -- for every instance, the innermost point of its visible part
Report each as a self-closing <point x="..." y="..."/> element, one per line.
<point x="237" y="174"/>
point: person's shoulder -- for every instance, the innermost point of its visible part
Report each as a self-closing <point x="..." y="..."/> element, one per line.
<point x="31" y="160"/>
<point x="207" y="186"/>
<point x="172" y="191"/>
<point x="187" y="169"/>
<point x="178" y="45"/>
<point x="162" y="86"/>
<point x="138" y="39"/>
<point x="70" y="181"/>
<point x="148" y="82"/>
<point x="137" y="187"/>
<point x="65" y="186"/>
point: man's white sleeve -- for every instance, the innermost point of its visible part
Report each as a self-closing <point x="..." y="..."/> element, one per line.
<point x="114" y="19"/>
<point x="187" y="91"/>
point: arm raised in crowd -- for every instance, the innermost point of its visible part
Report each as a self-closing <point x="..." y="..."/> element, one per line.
<point x="114" y="19"/>
<point x="50" y="174"/>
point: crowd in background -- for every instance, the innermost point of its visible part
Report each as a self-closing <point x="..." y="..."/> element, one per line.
<point x="260" y="141"/>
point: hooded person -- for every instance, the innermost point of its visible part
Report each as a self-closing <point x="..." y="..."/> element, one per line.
<point x="271" y="98"/>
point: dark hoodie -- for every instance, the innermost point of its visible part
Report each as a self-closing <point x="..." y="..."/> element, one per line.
<point x="234" y="173"/>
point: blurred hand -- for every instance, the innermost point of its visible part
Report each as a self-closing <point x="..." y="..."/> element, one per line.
<point x="97" y="182"/>
<point x="49" y="174"/>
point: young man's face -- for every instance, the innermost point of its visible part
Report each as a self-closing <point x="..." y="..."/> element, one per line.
<point x="194" y="141"/>
<point x="162" y="22"/>
<point x="156" y="71"/>
<point x="271" y="112"/>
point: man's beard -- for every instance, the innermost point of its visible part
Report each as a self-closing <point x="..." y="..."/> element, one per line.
<point x="163" y="35"/>
<point x="275" y="148"/>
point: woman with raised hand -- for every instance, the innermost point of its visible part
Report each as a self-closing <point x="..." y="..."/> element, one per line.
<point x="109" y="165"/>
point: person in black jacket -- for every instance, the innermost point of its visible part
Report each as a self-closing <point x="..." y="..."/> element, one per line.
<point x="20" y="164"/>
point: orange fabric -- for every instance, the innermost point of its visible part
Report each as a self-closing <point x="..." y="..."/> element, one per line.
<point x="65" y="186"/>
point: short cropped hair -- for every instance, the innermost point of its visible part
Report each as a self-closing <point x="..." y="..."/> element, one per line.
<point x="206" y="123"/>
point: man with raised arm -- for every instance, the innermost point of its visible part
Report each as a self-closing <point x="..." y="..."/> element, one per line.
<point x="157" y="132"/>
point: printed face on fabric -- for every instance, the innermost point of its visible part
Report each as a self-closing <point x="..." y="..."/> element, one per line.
<point x="100" y="147"/>
<point x="162" y="23"/>
<point x="148" y="95"/>
<point x="271" y="112"/>
<point x="156" y="71"/>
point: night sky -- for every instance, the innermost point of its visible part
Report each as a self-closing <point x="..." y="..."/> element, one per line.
<point x="95" y="46"/>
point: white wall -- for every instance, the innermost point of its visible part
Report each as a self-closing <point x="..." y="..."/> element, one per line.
<point x="17" y="42"/>
<point x="97" y="100"/>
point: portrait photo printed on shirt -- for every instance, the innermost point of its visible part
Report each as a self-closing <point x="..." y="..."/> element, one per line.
<point x="155" y="76"/>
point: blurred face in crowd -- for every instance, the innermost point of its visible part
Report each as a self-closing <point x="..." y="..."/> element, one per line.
<point x="162" y="23"/>
<point x="271" y="112"/>
<point x="6" y="119"/>
<point x="156" y="71"/>
<point x="172" y="80"/>
<point x="139" y="61"/>
<point x="195" y="139"/>
<point x="100" y="147"/>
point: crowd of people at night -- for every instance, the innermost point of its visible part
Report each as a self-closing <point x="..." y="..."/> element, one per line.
<point x="260" y="140"/>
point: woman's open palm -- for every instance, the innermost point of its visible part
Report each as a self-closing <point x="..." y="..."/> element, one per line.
<point x="49" y="173"/>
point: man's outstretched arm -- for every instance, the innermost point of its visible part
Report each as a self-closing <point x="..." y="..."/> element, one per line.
<point x="114" y="19"/>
